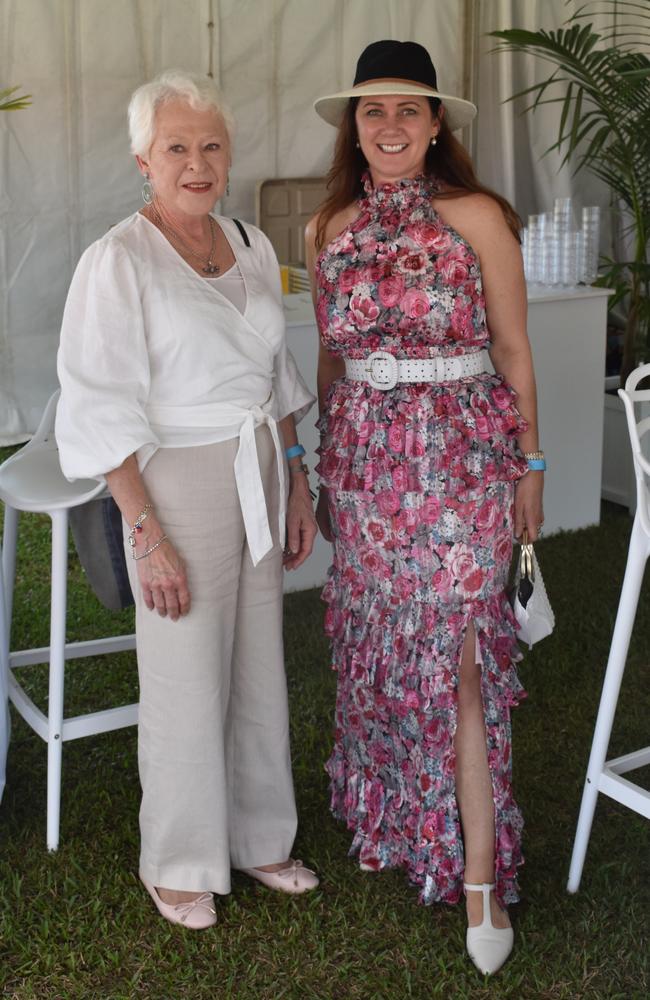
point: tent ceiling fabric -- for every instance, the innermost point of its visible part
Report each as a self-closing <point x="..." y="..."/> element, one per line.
<point x="67" y="174"/>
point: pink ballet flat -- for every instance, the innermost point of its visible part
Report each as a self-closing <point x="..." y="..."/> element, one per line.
<point x="197" y="914"/>
<point x="295" y="878"/>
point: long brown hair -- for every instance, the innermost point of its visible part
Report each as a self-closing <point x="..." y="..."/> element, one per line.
<point x="447" y="161"/>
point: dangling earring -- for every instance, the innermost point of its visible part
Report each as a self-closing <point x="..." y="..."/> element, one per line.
<point x="358" y="144"/>
<point x="228" y="186"/>
<point x="434" y="140"/>
<point x="147" y="190"/>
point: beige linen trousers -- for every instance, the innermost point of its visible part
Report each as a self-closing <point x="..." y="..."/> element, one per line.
<point x="213" y="732"/>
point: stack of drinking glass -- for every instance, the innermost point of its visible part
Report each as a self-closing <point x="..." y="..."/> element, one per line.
<point x="555" y="252"/>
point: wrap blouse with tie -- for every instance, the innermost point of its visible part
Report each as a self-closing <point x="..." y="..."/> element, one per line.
<point x="154" y="356"/>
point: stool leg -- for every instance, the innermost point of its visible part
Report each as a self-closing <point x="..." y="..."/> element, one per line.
<point x="5" y="719"/>
<point x="57" y="673"/>
<point x="9" y="542"/>
<point x="636" y="560"/>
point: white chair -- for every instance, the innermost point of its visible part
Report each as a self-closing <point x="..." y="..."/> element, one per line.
<point x="4" y="684"/>
<point x="603" y="775"/>
<point x="31" y="480"/>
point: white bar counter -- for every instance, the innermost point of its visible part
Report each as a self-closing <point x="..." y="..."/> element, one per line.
<point x="567" y="330"/>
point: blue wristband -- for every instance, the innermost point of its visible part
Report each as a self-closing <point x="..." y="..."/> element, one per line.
<point x="295" y="451"/>
<point x="537" y="464"/>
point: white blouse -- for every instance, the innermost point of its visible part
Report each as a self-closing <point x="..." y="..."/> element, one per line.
<point x="154" y="356"/>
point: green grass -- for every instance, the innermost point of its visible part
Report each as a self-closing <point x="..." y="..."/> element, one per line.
<point x="77" y="924"/>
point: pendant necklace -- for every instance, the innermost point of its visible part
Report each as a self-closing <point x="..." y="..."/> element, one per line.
<point x="208" y="266"/>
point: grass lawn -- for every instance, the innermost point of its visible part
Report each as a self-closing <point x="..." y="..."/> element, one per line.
<point x="77" y="924"/>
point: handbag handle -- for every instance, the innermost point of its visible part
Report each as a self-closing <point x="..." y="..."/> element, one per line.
<point x="526" y="564"/>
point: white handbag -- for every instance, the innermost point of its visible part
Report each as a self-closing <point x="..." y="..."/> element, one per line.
<point x="530" y="603"/>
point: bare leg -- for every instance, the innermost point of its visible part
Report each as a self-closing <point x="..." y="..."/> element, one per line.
<point x="474" y="786"/>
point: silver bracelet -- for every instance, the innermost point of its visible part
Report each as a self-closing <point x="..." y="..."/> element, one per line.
<point x="304" y="468"/>
<point x="137" y="524"/>
<point x="147" y="552"/>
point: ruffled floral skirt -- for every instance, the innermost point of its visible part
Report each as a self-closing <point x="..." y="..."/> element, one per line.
<point x="413" y="569"/>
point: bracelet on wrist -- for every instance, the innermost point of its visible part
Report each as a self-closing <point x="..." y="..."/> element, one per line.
<point x="295" y="451"/>
<point x="136" y="527"/>
<point x="536" y="460"/>
<point x="152" y="548"/>
<point x="304" y="468"/>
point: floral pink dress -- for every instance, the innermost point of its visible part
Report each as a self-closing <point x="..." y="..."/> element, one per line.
<point x="421" y="483"/>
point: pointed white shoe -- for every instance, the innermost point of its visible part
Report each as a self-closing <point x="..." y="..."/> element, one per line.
<point x="487" y="946"/>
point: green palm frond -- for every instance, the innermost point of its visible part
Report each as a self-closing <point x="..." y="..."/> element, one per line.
<point x="629" y="22"/>
<point x="9" y="103"/>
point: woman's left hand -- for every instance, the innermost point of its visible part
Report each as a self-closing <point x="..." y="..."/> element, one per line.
<point x="301" y="523"/>
<point x="529" y="513"/>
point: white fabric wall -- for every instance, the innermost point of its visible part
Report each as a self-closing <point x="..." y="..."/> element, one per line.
<point x="66" y="172"/>
<point x="509" y="147"/>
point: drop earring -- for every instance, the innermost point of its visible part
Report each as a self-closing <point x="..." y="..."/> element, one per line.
<point x="434" y="140"/>
<point x="358" y="144"/>
<point x="228" y="186"/>
<point x="147" y="190"/>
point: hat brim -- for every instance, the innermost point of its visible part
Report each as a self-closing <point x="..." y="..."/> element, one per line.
<point x="458" y="112"/>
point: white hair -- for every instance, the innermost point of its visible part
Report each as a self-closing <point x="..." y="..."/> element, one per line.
<point x="200" y="92"/>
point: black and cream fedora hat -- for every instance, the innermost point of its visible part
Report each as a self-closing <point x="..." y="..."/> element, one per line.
<point x="391" y="67"/>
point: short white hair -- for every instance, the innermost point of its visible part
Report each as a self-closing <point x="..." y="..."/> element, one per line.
<point x="200" y="92"/>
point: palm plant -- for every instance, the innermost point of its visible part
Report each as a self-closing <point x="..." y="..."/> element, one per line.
<point x="602" y="82"/>
<point x="9" y="103"/>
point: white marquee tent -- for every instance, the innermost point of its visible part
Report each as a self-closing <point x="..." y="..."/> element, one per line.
<point x="66" y="173"/>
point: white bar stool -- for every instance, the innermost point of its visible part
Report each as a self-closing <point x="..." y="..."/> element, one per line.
<point x="32" y="480"/>
<point x="603" y="775"/>
<point x="4" y="684"/>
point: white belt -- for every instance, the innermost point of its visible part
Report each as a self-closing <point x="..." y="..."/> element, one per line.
<point x="383" y="370"/>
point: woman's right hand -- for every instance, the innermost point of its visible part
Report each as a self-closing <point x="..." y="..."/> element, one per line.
<point x="323" y="515"/>
<point x="164" y="582"/>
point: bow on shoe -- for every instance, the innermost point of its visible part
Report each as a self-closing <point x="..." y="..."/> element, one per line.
<point x="292" y="871"/>
<point x="185" y="909"/>
<point x="294" y="877"/>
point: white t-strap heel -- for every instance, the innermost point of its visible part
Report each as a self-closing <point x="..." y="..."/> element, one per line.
<point x="487" y="946"/>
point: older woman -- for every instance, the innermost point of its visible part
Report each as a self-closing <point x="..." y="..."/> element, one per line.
<point x="427" y="467"/>
<point x="177" y="386"/>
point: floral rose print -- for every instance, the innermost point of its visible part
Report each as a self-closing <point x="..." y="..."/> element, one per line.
<point x="363" y="311"/>
<point x="420" y="482"/>
<point x="415" y="303"/>
<point x="391" y="290"/>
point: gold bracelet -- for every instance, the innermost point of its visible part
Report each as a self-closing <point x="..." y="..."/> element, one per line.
<point x="534" y="455"/>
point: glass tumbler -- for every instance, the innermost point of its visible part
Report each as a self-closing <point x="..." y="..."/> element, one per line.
<point x="591" y="238"/>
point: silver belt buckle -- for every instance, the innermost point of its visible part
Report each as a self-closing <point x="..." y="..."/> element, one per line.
<point x="390" y="379"/>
